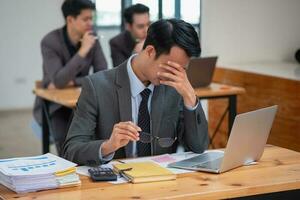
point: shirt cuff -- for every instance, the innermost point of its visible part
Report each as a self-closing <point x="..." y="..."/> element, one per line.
<point x="190" y="108"/>
<point x="107" y="158"/>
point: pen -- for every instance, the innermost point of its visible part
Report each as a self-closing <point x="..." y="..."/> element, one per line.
<point x="122" y="174"/>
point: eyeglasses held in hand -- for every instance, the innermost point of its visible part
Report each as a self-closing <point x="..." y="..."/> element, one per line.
<point x="163" y="142"/>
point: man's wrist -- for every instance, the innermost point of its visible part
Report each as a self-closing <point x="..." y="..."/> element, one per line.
<point x="107" y="148"/>
<point x="82" y="52"/>
<point x="190" y="100"/>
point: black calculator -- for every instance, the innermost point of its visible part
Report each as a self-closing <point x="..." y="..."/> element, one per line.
<point x="102" y="174"/>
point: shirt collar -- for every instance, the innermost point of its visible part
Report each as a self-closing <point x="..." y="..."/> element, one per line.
<point x="136" y="86"/>
<point x="71" y="48"/>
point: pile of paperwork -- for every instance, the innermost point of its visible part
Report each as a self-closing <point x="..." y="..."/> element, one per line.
<point x="29" y="174"/>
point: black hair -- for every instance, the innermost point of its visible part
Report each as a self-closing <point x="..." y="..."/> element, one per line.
<point x="166" y="33"/>
<point x="297" y="55"/>
<point x="74" y="7"/>
<point x="134" y="9"/>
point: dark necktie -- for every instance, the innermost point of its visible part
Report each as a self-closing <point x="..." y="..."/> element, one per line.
<point x="144" y="149"/>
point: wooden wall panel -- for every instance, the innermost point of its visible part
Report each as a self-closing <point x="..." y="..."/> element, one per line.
<point x="216" y="108"/>
<point x="261" y="91"/>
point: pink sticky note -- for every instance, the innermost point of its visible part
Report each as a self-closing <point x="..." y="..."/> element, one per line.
<point x="163" y="159"/>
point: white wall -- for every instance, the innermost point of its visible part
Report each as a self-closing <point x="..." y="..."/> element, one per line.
<point x="23" y="24"/>
<point x="105" y="36"/>
<point x="239" y="31"/>
<point x="242" y="31"/>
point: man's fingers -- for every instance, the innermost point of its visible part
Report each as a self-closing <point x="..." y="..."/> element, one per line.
<point x="170" y="69"/>
<point x="125" y="131"/>
<point x="88" y="32"/>
<point x="129" y="126"/>
<point x="88" y="36"/>
<point x="125" y="137"/>
<point x="176" y="65"/>
<point x="168" y="76"/>
<point x="134" y="125"/>
<point x="169" y="83"/>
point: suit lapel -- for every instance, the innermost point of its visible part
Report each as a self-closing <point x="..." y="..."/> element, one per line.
<point x="157" y="107"/>
<point x="124" y="99"/>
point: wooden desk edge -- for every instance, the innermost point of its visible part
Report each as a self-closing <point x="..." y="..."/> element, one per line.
<point x="38" y="93"/>
<point x="220" y="90"/>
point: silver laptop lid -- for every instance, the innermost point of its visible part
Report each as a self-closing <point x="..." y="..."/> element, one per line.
<point x="248" y="137"/>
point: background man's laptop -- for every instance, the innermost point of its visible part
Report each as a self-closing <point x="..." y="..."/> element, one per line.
<point x="246" y="144"/>
<point x="201" y="71"/>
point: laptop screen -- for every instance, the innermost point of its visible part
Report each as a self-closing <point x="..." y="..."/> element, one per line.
<point x="200" y="71"/>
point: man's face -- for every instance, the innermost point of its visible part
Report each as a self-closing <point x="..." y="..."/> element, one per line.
<point x="82" y="22"/>
<point x="139" y="26"/>
<point x="176" y="54"/>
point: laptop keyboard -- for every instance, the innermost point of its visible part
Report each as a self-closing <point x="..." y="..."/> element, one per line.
<point x="205" y="157"/>
<point x="209" y="160"/>
<point x="212" y="164"/>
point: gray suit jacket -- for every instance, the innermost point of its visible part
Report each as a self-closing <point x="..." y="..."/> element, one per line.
<point x="60" y="68"/>
<point x="106" y="100"/>
<point x="121" y="47"/>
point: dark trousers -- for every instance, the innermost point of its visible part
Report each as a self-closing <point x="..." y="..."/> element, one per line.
<point x="60" y="121"/>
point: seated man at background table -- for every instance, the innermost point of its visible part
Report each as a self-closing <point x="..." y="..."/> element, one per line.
<point x="68" y="54"/>
<point x="131" y="40"/>
<point x="146" y="106"/>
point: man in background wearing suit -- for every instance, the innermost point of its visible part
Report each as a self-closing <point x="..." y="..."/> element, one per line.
<point x="68" y="54"/>
<point x="131" y="40"/>
<point x="146" y="106"/>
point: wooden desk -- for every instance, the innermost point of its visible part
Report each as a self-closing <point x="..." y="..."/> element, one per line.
<point x="278" y="171"/>
<point x="68" y="97"/>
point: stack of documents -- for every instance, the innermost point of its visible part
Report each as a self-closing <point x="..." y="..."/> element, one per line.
<point x="29" y="174"/>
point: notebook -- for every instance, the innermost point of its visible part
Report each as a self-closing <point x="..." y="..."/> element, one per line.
<point x="201" y="70"/>
<point x="141" y="172"/>
<point x="246" y="144"/>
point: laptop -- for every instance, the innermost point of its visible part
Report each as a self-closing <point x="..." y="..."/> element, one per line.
<point x="246" y="144"/>
<point x="201" y="70"/>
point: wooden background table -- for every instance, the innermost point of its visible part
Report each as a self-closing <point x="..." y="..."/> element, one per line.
<point x="67" y="97"/>
<point x="278" y="171"/>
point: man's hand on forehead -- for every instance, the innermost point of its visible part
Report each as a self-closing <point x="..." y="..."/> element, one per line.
<point x="174" y="75"/>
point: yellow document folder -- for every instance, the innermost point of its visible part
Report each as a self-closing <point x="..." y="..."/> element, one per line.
<point x="140" y="172"/>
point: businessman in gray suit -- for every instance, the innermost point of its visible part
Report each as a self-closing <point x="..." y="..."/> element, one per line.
<point x="130" y="41"/>
<point x="68" y="54"/>
<point x="146" y="106"/>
